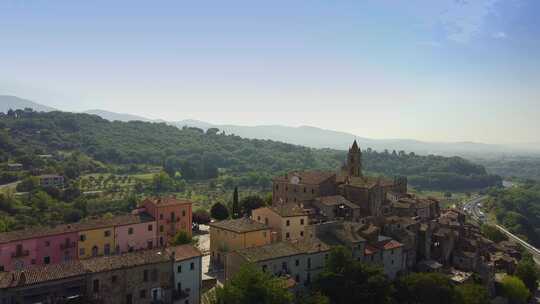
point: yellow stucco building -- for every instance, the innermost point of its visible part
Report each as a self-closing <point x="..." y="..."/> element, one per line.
<point x="96" y="239"/>
<point x="229" y="235"/>
<point x="287" y="220"/>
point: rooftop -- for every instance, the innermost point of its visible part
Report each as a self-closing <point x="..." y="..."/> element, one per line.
<point x="269" y="252"/>
<point x="40" y="274"/>
<point x="126" y="260"/>
<point x="38" y="232"/>
<point x="184" y="252"/>
<point x="240" y="225"/>
<point x="306" y="177"/>
<point x="288" y="209"/>
<point x="335" y="200"/>
<point x="167" y="201"/>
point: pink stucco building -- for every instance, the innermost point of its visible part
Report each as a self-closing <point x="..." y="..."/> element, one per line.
<point x="138" y="234"/>
<point x="171" y="214"/>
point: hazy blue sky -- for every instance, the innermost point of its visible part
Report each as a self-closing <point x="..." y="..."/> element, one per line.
<point x="445" y="70"/>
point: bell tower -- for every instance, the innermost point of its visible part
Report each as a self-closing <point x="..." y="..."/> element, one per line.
<point x="354" y="160"/>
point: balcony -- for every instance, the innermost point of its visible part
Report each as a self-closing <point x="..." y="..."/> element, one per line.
<point x="20" y="254"/>
<point x="68" y="245"/>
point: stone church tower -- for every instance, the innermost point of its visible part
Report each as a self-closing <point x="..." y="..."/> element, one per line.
<point x="354" y="161"/>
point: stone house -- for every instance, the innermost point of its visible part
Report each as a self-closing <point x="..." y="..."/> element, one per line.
<point x="138" y="277"/>
<point x="288" y="221"/>
<point x="230" y="235"/>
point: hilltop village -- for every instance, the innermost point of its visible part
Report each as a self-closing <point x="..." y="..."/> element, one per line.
<point x="131" y="259"/>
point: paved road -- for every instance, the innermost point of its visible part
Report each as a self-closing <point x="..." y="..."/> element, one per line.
<point x="472" y="208"/>
<point x="10" y="185"/>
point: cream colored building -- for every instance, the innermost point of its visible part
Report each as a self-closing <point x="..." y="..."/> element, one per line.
<point x="288" y="221"/>
<point x="230" y="235"/>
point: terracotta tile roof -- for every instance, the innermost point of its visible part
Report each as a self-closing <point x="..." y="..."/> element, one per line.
<point x="127" y="260"/>
<point x="306" y="177"/>
<point x="269" y="252"/>
<point x="393" y="244"/>
<point x="240" y="225"/>
<point x="312" y="245"/>
<point x="370" y="250"/>
<point x="184" y="252"/>
<point x="38" y="232"/>
<point x="288" y="209"/>
<point x="334" y="200"/>
<point x="167" y="201"/>
<point x="41" y="274"/>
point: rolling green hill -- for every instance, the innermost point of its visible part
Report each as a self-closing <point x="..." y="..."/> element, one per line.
<point x="198" y="154"/>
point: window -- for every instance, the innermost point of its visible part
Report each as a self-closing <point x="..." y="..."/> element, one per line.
<point x="150" y="227"/>
<point x="47" y="243"/>
<point x="179" y="268"/>
<point x="129" y="298"/>
<point x="114" y="279"/>
<point x="82" y="237"/>
<point x="309" y="263"/>
<point x="95" y="251"/>
<point x="1" y="267"/>
<point x="301" y="221"/>
<point x="326" y="256"/>
<point x="264" y="234"/>
<point x="284" y="265"/>
<point x="142" y="294"/>
<point x="149" y="245"/>
<point x="304" y="189"/>
<point x="161" y="228"/>
<point x="161" y="216"/>
<point x="312" y="191"/>
<point x="264" y="268"/>
<point x="297" y="262"/>
<point x="301" y="233"/>
<point x="192" y="266"/>
<point x="107" y="249"/>
<point x="107" y="233"/>
<point x="46" y="260"/>
<point x="95" y="285"/>
<point x="277" y="187"/>
<point x="130" y="230"/>
<point x="145" y="275"/>
<point x="297" y="278"/>
<point x="287" y="235"/>
<point x="183" y="212"/>
<point x="266" y="221"/>
<point x="258" y="218"/>
<point x="81" y="251"/>
<point x="288" y="223"/>
<point x="154" y="275"/>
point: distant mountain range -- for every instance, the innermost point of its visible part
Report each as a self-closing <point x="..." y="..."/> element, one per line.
<point x="310" y="136"/>
<point x="13" y="102"/>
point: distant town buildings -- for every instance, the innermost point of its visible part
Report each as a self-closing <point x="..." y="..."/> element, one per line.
<point x="51" y="180"/>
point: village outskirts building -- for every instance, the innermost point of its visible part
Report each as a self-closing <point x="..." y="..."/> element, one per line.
<point x="187" y="272"/>
<point x="230" y="235"/>
<point x="300" y="260"/>
<point x="288" y="221"/>
<point x="172" y="216"/>
<point x="51" y="180"/>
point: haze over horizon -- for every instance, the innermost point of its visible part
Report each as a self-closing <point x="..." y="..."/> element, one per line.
<point x="446" y="71"/>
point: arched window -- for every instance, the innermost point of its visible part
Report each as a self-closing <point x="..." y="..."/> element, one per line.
<point x="95" y="251"/>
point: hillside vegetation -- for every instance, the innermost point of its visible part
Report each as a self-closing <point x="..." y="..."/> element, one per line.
<point x="200" y="155"/>
<point x="518" y="209"/>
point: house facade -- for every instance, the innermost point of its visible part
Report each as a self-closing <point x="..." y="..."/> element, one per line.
<point x="230" y="235"/>
<point x="187" y="271"/>
<point x="288" y="221"/>
<point x="171" y="214"/>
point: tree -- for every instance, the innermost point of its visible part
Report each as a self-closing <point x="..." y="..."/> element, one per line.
<point x="201" y="217"/>
<point x="425" y="288"/>
<point x="251" y="285"/>
<point x="344" y="279"/>
<point x="515" y="290"/>
<point x="528" y="273"/>
<point x="250" y="203"/>
<point x="235" y="205"/>
<point x="28" y="184"/>
<point x="472" y="294"/>
<point x="492" y="233"/>
<point x="219" y="211"/>
<point x="182" y="238"/>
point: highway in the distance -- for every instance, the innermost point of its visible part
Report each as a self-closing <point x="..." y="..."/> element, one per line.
<point x="473" y="209"/>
